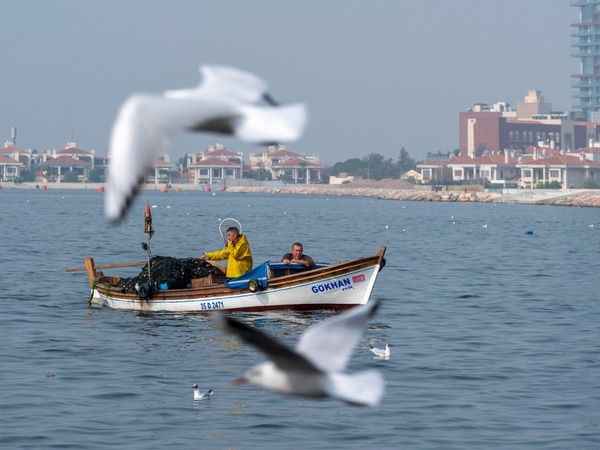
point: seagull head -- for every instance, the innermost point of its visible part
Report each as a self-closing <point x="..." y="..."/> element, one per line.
<point x="194" y="386"/>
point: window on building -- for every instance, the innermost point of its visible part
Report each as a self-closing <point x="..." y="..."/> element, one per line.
<point x="554" y="173"/>
<point x="526" y="173"/>
<point x="228" y="172"/>
<point x="204" y="172"/>
<point x="458" y="173"/>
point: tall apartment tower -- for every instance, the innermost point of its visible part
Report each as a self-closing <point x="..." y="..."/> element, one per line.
<point x="586" y="45"/>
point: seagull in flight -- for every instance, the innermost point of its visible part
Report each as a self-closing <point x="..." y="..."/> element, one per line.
<point x="228" y="101"/>
<point x="315" y="367"/>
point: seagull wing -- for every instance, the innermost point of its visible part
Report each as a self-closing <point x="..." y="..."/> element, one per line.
<point x="269" y="124"/>
<point x="142" y="129"/>
<point x="231" y="82"/>
<point x="226" y="102"/>
<point x="281" y="355"/>
<point x="329" y="343"/>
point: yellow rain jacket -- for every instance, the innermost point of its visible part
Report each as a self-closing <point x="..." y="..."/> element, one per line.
<point x="238" y="256"/>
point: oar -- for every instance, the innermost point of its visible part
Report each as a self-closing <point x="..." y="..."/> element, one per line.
<point x="109" y="266"/>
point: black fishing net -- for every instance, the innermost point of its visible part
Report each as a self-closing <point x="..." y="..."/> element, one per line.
<point x="165" y="271"/>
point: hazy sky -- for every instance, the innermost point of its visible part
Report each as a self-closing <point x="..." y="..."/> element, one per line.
<point x="376" y="75"/>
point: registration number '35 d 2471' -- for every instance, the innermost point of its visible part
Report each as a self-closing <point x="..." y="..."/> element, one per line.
<point x="211" y="306"/>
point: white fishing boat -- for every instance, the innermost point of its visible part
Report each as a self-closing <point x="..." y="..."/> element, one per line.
<point x="270" y="286"/>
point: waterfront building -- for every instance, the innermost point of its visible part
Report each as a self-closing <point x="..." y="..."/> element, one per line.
<point x="570" y="171"/>
<point x="586" y="49"/>
<point x="434" y="171"/>
<point x="68" y="163"/>
<point x="499" y="127"/>
<point x="10" y="168"/>
<point x="495" y="168"/>
<point x="216" y="164"/>
<point x="536" y="167"/>
<point x="287" y="165"/>
<point x="24" y="156"/>
<point x="162" y="169"/>
<point x="63" y="168"/>
<point x="72" y="150"/>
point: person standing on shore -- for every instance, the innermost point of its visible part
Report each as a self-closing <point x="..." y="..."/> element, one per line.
<point x="237" y="252"/>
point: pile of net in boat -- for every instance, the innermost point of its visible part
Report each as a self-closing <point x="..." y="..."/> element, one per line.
<point x="165" y="271"/>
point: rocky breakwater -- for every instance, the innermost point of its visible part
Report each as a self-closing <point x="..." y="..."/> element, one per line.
<point x="373" y="192"/>
<point x="588" y="199"/>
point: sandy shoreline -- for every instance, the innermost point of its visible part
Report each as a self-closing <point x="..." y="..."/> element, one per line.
<point x="573" y="197"/>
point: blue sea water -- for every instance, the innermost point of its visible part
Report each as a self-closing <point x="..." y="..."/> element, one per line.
<point x="495" y="333"/>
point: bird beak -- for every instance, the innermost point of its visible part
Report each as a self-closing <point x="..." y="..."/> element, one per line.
<point x="239" y="381"/>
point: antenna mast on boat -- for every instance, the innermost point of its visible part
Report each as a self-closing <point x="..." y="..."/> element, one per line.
<point x="149" y="231"/>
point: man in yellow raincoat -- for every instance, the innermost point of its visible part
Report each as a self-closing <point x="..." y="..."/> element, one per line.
<point x="237" y="253"/>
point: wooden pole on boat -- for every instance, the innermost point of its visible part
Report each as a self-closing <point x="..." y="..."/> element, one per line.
<point x="90" y="268"/>
<point x="381" y="256"/>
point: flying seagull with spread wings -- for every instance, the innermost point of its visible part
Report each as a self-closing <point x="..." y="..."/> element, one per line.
<point x="315" y="367"/>
<point x="228" y="101"/>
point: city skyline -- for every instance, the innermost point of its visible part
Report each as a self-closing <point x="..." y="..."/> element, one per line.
<point x="432" y="60"/>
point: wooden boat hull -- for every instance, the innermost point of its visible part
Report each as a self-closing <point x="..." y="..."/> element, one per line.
<point x="333" y="287"/>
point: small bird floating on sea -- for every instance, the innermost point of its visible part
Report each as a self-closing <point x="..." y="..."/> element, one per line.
<point x="228" y="101"/>
<point x="201" y="395"/>
<point x="314" y="368"/>
<point x="381" y="353"/>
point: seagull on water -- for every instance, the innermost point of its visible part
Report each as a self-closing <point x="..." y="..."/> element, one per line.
<point x="381" y="353"/>
<point x="228" y="101"/>
<point x="314" y="368"/>
<point x="201" y="396"/>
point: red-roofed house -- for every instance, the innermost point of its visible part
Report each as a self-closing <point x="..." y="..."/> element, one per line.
<point x="69" y="163"/>
<point x="216" y="164"/>
<point x="571" y="171"/>
<point x="63" y="168"/>
<point x="72" y="150"/>
<point x="18" y="154"/>
<point x="9" y="168"/>
<point x="497" y="168"/>
<point x="162" y="171"/>
<point x="288" y="165"/>
<point x="434" y="171"/>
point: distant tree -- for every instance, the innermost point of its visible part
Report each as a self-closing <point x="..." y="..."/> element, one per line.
<point x="375" y="166"/>
<point x="405" y="162"/>
<point x="352" y="166"/>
